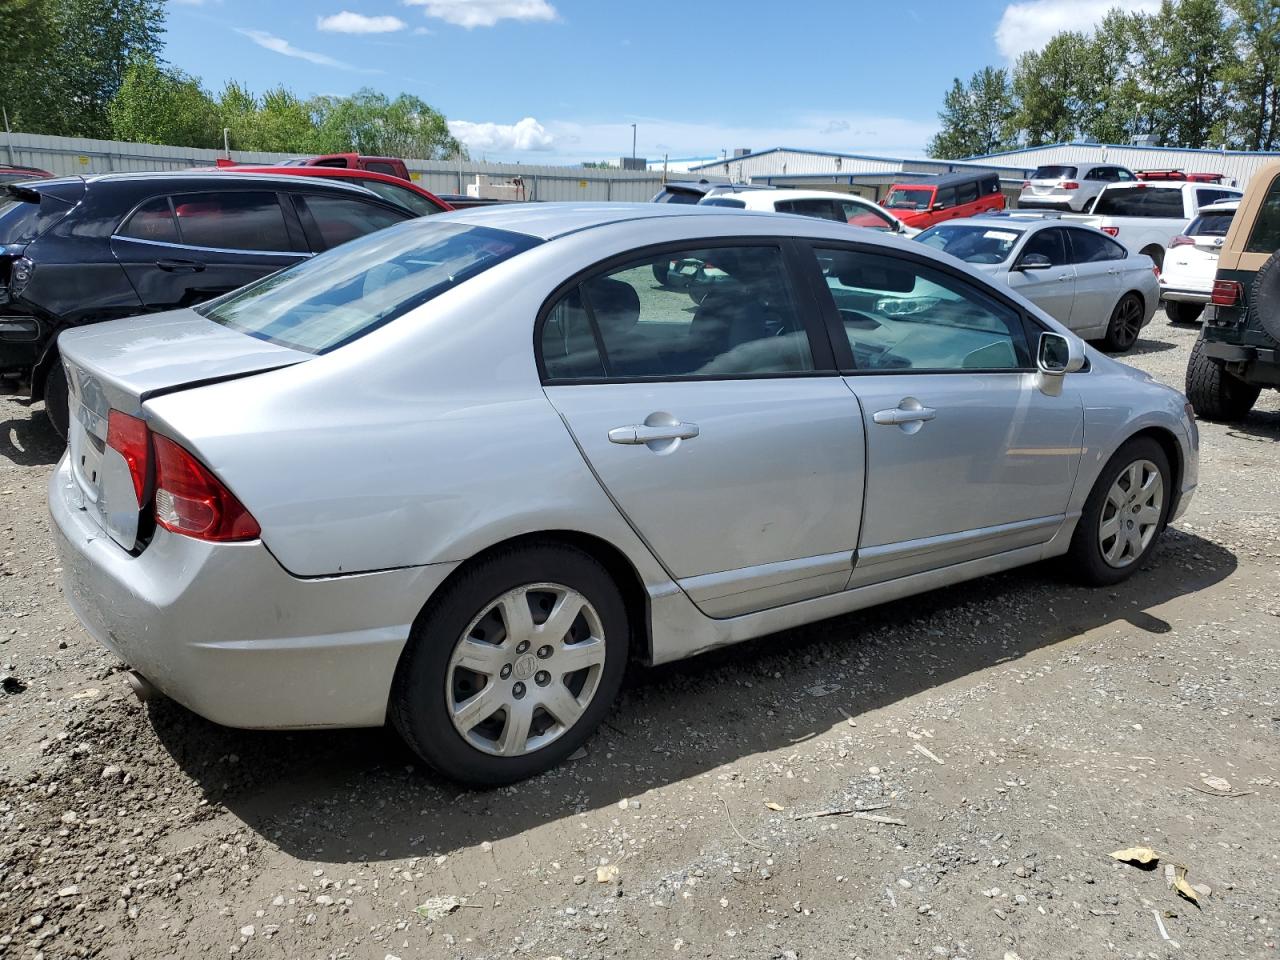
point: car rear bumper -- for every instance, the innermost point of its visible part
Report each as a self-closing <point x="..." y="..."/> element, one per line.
<point x="1183" y="295"/>
<point x="1045" y="203"/>
<point x="227" y="632"/>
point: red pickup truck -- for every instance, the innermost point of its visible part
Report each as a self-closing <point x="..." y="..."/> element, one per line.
<point x="354" y="161"/>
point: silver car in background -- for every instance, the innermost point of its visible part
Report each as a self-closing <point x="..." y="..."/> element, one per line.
<point x="453" y="475"/>
<point x="1070" y="187"/>
<point x="1086" y="281"/>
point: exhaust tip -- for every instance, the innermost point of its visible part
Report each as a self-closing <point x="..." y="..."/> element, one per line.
<point x="142" y="687"/>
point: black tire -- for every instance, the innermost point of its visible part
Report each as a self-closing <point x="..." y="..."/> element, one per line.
<point x="1179" y="312"/>
<point x="56" y="402"/>
<point x="1125" y="325"/>
<point x="1214" y="393"/>
<point x="1085" y="557"/>
<point x="419" y="708"/>
<point x="1157" y="256"/>
<point x="1264" y="297"/>
<point x="660" y="270"/>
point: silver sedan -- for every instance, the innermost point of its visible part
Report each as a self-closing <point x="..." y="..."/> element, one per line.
<point x="1076" y="273"/>
<point x="455" y="474"/>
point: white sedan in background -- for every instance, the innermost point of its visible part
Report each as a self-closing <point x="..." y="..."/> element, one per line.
<point x="1077" y="274"/>
<point x="1192" y="260"/>
<point x="823" y="204"/>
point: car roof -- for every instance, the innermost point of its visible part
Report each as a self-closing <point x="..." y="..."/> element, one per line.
<point x="763" y="200"/>
<point x="1221" y="206"/>
<point x="943" y="180"/>
<point x="550" y="220"/>
<point x="214" y="176"/>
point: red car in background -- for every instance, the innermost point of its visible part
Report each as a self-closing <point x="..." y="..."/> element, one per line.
<point x="392" y="166"/>
<point x="929" y="200"/>
<point x="404" y="192"/>
<point x="10" y="173"/>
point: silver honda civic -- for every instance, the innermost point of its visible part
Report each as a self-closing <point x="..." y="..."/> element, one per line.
<point x="453" y="475"/>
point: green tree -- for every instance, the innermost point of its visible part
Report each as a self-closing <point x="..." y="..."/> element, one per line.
<point x="1185" y="61"/>
<point x="159" y="105"/>
<point x="1051" y="88"/>
<point x="977" y="117"/>
<point x="1114" y="112"/>
<point x="1251" y="120"/>
<point x="368" y="122"/>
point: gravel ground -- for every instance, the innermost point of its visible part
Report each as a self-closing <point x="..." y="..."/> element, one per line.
<point x="1013" y="731"/>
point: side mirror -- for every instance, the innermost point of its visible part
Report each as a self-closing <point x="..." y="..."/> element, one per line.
<point x="938" y="206"/>
<point x="1033" y="261"/>
<point x="1056" y="356"/>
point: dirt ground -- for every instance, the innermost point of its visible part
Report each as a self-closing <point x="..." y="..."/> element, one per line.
<point x="1015" y="730"/>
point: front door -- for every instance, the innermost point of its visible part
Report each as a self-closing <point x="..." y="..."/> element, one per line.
<point x="696" y="403"/>
<point x="1053" y="290"/>
<point x="965" y="456"/>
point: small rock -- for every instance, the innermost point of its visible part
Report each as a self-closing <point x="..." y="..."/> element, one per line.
<point x="36" y="922"/>
<point x="324" y="900"/>
<point x="579" y="754"/>
<point x="11" y="684"/>
<point x="607" y="874"/>
<point x="70" y="891"/>
<point x="904" y="883"/>
<point x="111" y="773"/>
<point x="247" y="930"/>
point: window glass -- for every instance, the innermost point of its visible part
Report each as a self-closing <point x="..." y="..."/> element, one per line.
<point x="1265" y="237"/>
<point x="1211" y="224"/>
<point x="972" y="244"/>
<point x="233" y="220"/>
<point x="1140" y="202"/>
<point x="403" y="196"/>
<point x="1123" y="174"/>
<point x="24" y="220"/>
<point x="1099" y="173"/>
<point x="331" y="299"/>
<point x="967" y="192"/>
<point x="946" y="197"/>
<point x="152" y="221"/>
<point x="733" y="202"/>
<point x="1204" y="196"/>
<point x="864" y="215"/>
<point x="567" y="343"/>
<point x="909" y="198"/>
<point x="823" y="209"/>
<point x="902" y="315"/>
<point x="721" y="312"/>
<point x="1053" y="172"/>
<point x="1091" y="246"/>
<point x="381" y="166"/>
<point x="340" y="219"/>
<point x="1048" y="243"/>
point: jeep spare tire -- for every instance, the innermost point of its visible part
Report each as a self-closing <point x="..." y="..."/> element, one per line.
<point x="1265" y="296"/>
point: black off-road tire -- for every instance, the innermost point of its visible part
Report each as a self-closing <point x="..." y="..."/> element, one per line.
<point x="1264" y="297"/>
<point x="1214" y="393"/>
<point x="1180" y="312"/>
<point x="419" y="708"/>
<point x="56" y="402"/>
<point x="1084" y="560"/>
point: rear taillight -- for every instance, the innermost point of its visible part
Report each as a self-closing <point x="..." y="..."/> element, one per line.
<point x="1025" y="184"/>
<point x="1069" y="185"/>
<point x="129" y="437"/>
<point x="1227" y="293"/>
<point x="1181" y="240"/>
<point x="193" y="502"/>
<point x="1111" y="231"/>
<point x="1155" y="269"/>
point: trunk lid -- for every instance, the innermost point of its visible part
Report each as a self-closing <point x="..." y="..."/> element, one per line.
<point x="120" y="365"/>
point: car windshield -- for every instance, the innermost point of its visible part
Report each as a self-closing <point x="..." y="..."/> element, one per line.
<point x="722" y="202"/>
<point x="341" y="295"/>
<point x="1140" y="202"/>
<point x="972" y="243"/>
<point x="1054" y="173"/>
<point x="22" y="220"/>
<point x="1210" y="224"/>
<point x="909" y="198"/>
<point x="401" y="195"/>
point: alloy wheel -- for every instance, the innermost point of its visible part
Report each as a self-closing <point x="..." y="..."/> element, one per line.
<point x="1131" y="514"/>
<point x="525" y="669"/>
<point x="1128" y="322"/>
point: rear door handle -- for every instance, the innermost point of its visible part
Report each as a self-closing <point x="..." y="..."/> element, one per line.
<point x="1064" y="277"/>
<point x="643" y="433"/>
<point x="180" y="266"/>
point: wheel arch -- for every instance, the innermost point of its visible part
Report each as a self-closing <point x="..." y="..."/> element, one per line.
<point x="1172" y="448"/>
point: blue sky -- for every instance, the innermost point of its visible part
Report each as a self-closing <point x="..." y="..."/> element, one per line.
<point x="558" y="81"/>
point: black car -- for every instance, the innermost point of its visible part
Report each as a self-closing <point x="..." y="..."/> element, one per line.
<point x="83" y="249"/>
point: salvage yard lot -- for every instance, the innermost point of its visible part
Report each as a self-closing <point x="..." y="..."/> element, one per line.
<point x="1018" y="727"/>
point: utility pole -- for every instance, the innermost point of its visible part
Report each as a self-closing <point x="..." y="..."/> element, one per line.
<point x="633" y="141"/>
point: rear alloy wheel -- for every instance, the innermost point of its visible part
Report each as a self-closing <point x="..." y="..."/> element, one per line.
<point x="1179" y="312"/>
<point x="1125" y="325"/>
<point x="56" y="401"/>
<point x="513" y="667"/>
<point x="1124" y="514"/>
<point x="1214" y="393"/>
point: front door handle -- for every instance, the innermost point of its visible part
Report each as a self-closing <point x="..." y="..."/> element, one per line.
<point x="180" y="266"/>
<point x="1063" y="278"/>
<point x="898" y="416"/>
<point x="643" y="433"/>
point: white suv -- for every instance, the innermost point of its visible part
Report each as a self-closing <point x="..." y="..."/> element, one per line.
<point x="1192" y="260"/>
<point x="1070" y="187"/>
<point x="825" y="205"/>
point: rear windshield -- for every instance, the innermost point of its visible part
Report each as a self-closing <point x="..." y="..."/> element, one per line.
<point x="972" y="243"/>
<point x="1266" y="230"/>
<point x="1210" y="225"/>
<point x="722" y="202"/>
<point x="339" y="296"/>
<point x="1141" y="202"/>
<point x="1054" y="173"/>
<point x="23" y="220"/>
<point x="667" y="195"/>
<point x="909" y="198"/>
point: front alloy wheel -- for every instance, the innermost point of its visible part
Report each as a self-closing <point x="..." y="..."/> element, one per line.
<point x="1131" y="514"/>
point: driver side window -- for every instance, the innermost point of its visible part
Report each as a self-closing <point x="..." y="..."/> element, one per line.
<point x="1047" y="243"/>
<point x="902" y="315"/>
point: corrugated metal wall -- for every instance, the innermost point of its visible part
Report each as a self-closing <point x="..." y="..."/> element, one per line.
<point x="66" y="156"/>
<point x="1239" y="165"/>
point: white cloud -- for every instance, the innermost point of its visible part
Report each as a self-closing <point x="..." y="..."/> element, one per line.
<point x="348" y="22"/>
<point x="1030" y="25"/>
<point x="484" y="13"/>
<point x="525" y="135"/>
<point x="276" y="44"/>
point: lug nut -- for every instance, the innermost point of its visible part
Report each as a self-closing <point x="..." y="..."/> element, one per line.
<point x="542" y="678"/>
<point x="505" y="672"/>
<point x="543" y="652"/>
<point x="518" y="691"/>
<point x="522" y="646"/>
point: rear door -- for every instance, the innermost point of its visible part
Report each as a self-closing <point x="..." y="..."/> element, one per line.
<point x="1052" y="290"/>
<point x="330" y="220"/>
<point x="182" y="249"/>
<point x="719" y="427"/>
<point x="1100" y="265"/>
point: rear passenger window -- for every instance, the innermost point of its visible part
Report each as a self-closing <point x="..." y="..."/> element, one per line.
<point x="152" y="221"/>
<point x="721" y="312"/>
<point x="338" y="219"/>
<point x="249" y="220"/>
<point x="378" y="166"/>
<point x="1265" y="237"/>
<point x="902" y="315"/>
<point x="1089" y="246"/>
<point x="822" y="209"/>
<point x="967" y="192"/>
